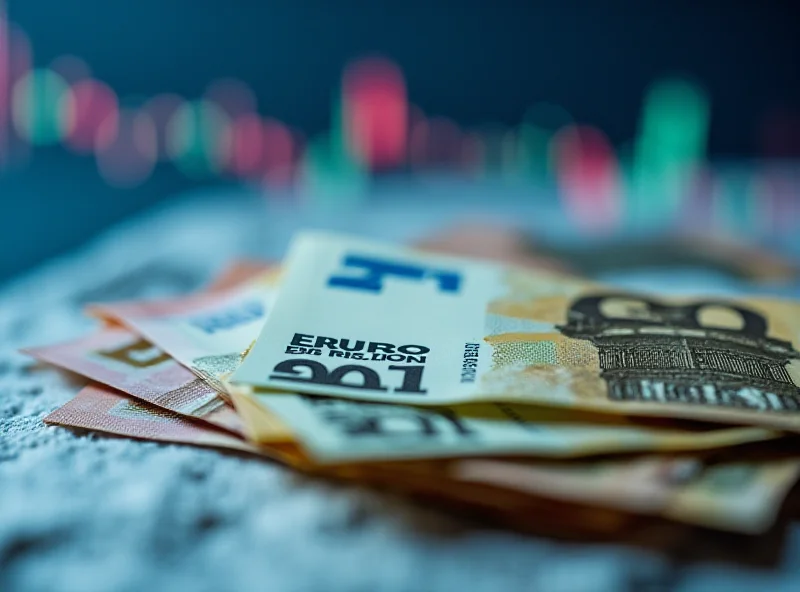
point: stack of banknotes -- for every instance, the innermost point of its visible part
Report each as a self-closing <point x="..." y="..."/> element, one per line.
<point x="508" y="386"/>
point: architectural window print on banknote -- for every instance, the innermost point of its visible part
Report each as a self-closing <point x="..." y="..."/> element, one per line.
<point x="626" y="351"/>
<point x="705" y="352"/>
<point x="636" y="348"/>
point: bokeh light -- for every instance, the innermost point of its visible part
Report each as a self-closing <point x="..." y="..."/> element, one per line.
<point x="662" y="174"/>
<point x="127" y="148"/>
<point x="198" y="136"/>
<point x="417" y="137"/>
<point x="697" y="211"/>
<point x="161" y="109"/>
<point x="443" y="147"/>
<point x="780" y="191"/>
<point x="247" y="146"/>
<point x="234" y="97"/>
<point x="539" y="125"/>
<point x="494" y="140"/>
<point x="280" y="149"/>
<point x="376" y="112"/>
<point x="330" y="177"/>
<point x="86" y="107"/>
<point x="20" y="60"/>
<point x="472" y="153"/>
<point x="34" y="105"/>
<point x="5" y="81"/>
<point x="674" y="124"/>
<point x="20" y="53"/>
<point x="588" y="177"/>
<point x="735" y="201"/>
<point x="671" y="144"/>
<point x="71" y="68"/>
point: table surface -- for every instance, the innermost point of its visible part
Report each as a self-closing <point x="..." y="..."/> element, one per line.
<point x="81" y="511"/>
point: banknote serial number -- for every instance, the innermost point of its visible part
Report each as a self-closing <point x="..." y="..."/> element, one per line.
<point x="469" y="367"/>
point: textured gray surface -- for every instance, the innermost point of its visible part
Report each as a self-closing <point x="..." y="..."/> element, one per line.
<point x="82" y="512"/>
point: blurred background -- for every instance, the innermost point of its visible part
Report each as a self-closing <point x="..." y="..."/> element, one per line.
<point x="676" y="115"/>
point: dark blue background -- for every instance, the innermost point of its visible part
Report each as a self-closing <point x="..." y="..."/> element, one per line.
<point x="476" y="61"/>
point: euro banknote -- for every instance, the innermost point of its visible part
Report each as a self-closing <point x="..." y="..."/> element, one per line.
<point x="259" y="424"/>
<point x="206" y="332"/>
<point x="742" y="496"/>
<point x="736" y="495"/>
<point x="123" y="360"/>
<point x="103" y="409"/>
<point x="336" y="431"/>
<point x="378" y="322"/>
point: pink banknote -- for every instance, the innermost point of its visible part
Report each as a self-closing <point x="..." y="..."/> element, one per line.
<point x="103" y="409"/>
<point x="206" y="332"/>
<point x="120" y="359"/>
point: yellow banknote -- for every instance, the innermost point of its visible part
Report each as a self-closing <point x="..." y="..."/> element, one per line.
<point x="260" y="425"/>
<point x="378" y="322"/>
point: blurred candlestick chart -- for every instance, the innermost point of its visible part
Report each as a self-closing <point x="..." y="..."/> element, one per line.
<point x="662" y="174"/>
